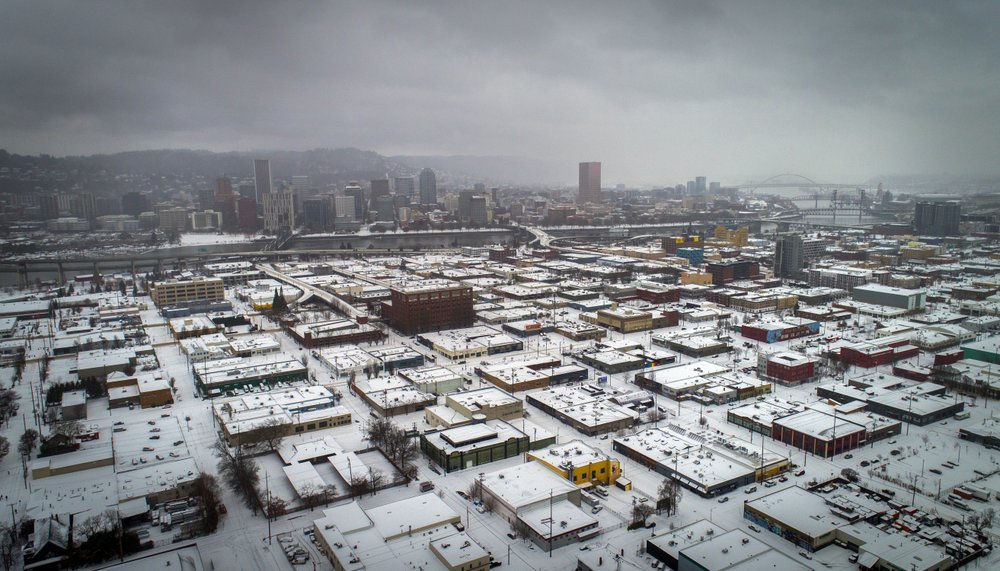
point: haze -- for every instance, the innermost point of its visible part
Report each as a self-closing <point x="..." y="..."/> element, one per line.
<point x="657" y="91"/>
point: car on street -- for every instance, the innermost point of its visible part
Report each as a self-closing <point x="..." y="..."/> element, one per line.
<point x="723" y="499"/>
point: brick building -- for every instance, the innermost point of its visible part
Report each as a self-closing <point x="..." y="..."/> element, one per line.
<point x="730" y="271"/>
<point x="429" y="306"/>
<point x="786" y="367"/>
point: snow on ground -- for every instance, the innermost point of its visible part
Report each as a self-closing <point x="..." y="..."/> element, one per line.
<point x="192" y="239"/>
<point x="241" y="540"/>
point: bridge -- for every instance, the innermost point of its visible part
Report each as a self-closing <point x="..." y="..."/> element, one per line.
<point x="800" y="182"/>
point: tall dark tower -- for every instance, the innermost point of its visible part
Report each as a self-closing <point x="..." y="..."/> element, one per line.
<point x="590" y="183"/>
<point x="262" y="177"/>
<point x="428" y="187"/>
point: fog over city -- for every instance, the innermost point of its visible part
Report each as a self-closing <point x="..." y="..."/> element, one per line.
<point x="655" y="90"/>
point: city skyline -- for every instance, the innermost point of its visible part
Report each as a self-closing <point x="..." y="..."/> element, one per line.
<point x="833" y="92"/>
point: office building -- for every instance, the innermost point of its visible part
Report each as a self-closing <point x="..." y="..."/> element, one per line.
<point x="404" y="185"/>
<point x="429" y="306"/>
<point x="197" y="289"/>
<point x="788" y="255"/>
<point x="700" y="186"/>
<point x="428" y="187"/>
<point x="261" y="178"/>
<point x="478" y="211"/>
<point x="384" y="208"/>
<point x="727" y="272"/>
<point x="590" y="183"/>
<point x="50" y="205"/>
<point x="175" y="219"/>
<point x="379" y="187"/>
<point x="912" y="300"/>
<point x="223" y="185"/>
<point x="316" y="213"/>
<point x="246" y="214"/>
<point x="83" y="206"/>
<point x="940" y="218"/>
<point x="279" y="212"/>
<point x="355" y="192"/>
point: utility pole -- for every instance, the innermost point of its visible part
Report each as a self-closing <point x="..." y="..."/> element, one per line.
<point x="267" y="493"/>
<point x="550" y="522"/>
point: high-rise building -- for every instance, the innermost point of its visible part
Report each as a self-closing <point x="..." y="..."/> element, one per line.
<point x="344" y="208"/>
<point x="788" y="255"/>
<point x="940" y="218"/>
<point x="246" y="214"/>
<point x="206" y="198"/>
<point x="384" y="209"/>
<point x="404" y="185"/>
<point x="262" y="178"/>
<point x="590" y="183"/>
<point x="50" y="206"/>
<point x="428" y="187"/>
<point x="379" y="187"/>
<point x="316" y="211"/>
<point x="279" y="212"/>
<point x="478" y="211"/>
<point x="354" y="191"/>
<point x="223" y="185"/>
<point x="173" y="219"/>
<point x="83" y="206"/>
<point x="700" y="185"/>
<point x="429" y="305"/>
<point x="301" y="183"/>
<point x="465" y="205"/>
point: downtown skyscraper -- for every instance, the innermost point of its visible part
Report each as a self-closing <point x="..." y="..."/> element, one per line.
<point x="590" y="183"/>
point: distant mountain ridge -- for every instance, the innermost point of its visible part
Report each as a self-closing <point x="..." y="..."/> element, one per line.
<point x="324" y="166"/>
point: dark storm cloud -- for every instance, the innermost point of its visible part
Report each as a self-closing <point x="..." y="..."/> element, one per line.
<point x="656" y="90"/>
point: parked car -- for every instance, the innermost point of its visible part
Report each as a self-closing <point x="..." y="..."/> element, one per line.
<point x="723" y="499"/>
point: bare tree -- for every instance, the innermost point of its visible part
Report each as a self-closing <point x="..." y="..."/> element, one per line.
<point x="669" y="495"/>
<point x="240" y="472"/>
<point x="981" y="520"/>
<point x="270" y="433"/>
<point x="360" y="485"/>
<point x="206" y="489"/>
<point x="8" y="404"/>
<point x="69" y="428"/>
<point x="28" y="442"/>
<point x="276" y="507"/>
<point x="641" y="511"/>
<point x="10" y="545"/>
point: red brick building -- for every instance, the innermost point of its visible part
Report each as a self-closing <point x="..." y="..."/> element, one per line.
<point x="734" y="270"/>
<point x="819" y="433"/>
<point x="429" y="305"/>
<point x="672" y="243"/>
<point x="658" y="295"/>
<point x="786" y="367"/>
<point x="870" y="355"/>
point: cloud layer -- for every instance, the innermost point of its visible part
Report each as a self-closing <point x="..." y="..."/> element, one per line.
<point x="658" y="91"/>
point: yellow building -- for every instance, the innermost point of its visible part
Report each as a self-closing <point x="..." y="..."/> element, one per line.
<point x="579" y="462"/>
<point x="738" y="237"/>
<point x="698" y="278"/>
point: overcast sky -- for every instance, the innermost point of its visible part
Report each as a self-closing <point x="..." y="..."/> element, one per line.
<point x="658" y="91"/>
